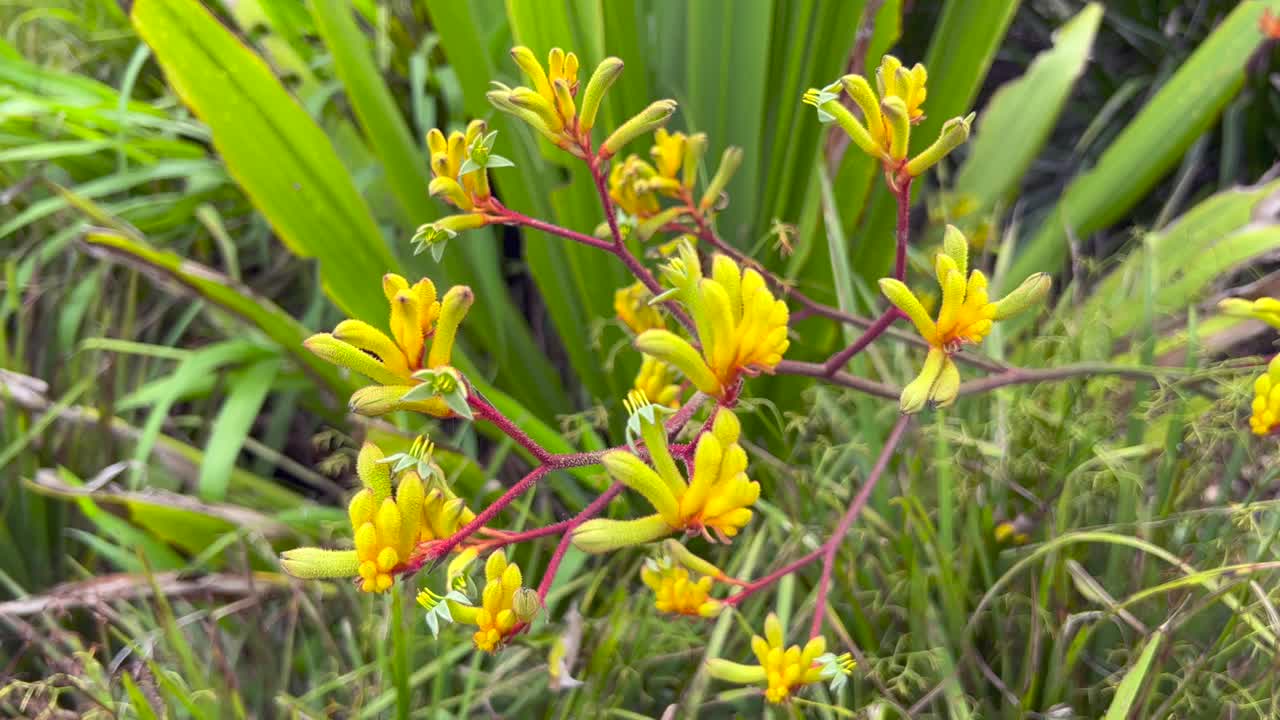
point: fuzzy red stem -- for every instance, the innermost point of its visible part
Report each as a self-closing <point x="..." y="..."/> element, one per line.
<point x="442" y="548"/>
<point x="882" y="323"/>
<point x="832" y="545"/>
<point x="757" y="585"/>
<point x="904" y="228"/>
<point x="511" y="216"/>
<point x="488" y="412"/>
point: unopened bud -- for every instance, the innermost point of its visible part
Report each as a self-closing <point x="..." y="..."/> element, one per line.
<point x="954" y="134"/>
<point x="1032" y="291"/>
<point x="606" y="72"/>
<point x="644" y="122"/>
<point x="895" y="111"/>
<point x="730" y="161"/>
<point x="526" y="604"/>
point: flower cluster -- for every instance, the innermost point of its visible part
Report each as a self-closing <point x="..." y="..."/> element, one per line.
<point x="781" y="669"/>
<point x="741" y="326"/>
<point x="884" y="132"/>
<point x="423" y="331"/>
<point x="387" y="527"/>
<point x="966" y="316"/>
<point x="715" y="502"/>
<point x="1265" y="416"/>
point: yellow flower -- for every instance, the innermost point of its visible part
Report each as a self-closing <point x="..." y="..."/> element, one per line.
<point x="631" y="303"/>
<point x="677" y="592"/>
<point x="387" y="528"/>
<point x="741" y="326"/>
<point x="676" y="157"/>
<point x="627" y="187"/>
<point x="782" y="670"/>
<point x="503" y="604"/>
<point x="1266" y="309"/>
<point x="894" y="80"/>
<point x="884" y="132"/>
<point x="717" y="500"/>
<point x="447" y="158"/>
<point x="423" y="331"/>
<point x="966" y="316"/>
<point x="657" y="380"/>
<point x="1266" y="399"/>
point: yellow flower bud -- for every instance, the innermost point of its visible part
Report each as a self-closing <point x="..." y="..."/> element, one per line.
<point x="603" y="535"/>
<point x="333" y="350"/>
<point x="644" y="122"/>
<point x="373" y="473"/>
<point x="954" y="134"/>
<point x="730" y="161"/>
<point x="309" y="563"/>
<point x="676" y="351"/>
<point x="899" y="124"/>
<point x="606" y="73"/>
<point x="450" y="190"/>
<point x="1031" y="292"/>
<point x="526" y="604"/>
<point x="453" y="309"/>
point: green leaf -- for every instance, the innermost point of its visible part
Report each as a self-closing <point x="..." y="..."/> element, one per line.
<point x="1184" y="108"/>
<point x="274" y="150"/>
<point x="1017" y="120"/>
<point x="1122" y="704"/>
<point x="248" y="390"/>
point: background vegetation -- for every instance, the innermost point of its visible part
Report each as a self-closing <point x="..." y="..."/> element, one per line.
<point x="164" y="434"/>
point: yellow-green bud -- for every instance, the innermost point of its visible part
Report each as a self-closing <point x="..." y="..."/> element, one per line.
<point x="333" y="350"/>
<point x="375" y="475"/>
<point x="730" y="161"/>
<point x="895" y="111"/>
<point x="681" y="554"/>
<point x="450" y="190"/>
<point x="310" y="563"/>
<point x="737" y="673"/>
<point x="606" y="72"/>
<point x="532" y="69"/>
<point x="676" y="351"/>
<point x="917" y="393"/>
<point x="860" y="90"/>
<point x="526" y="605"/>
<point x="954" y="134"/>
<point x="694" y="147"/>
<point x="649" y="227"/>
<point x="1032" y="291"/>
<point x="646" y="121"/>
<point x="377" y="400"/>
<point x="602" y="535"/>
<point x="453" y="308"/>
<point x="635" y="474"/>
<point x="956" y="245"/>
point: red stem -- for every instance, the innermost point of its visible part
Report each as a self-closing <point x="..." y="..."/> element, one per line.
<point x="509" y="428"/>
<point x="903" y="193"/>
<point x="590" y="511"/>
<point x="757" y="585"/>
<point x="832" y="545"/>
<point x="441" y="548"/>
<point x="882" y="323"/>
<point x="517" y="218"/>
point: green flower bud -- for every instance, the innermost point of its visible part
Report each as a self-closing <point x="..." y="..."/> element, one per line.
<point x="730" y="161"/>
<point x="895" y="111"/>
<point x="526" y="604"/>
<point x="954" y="134"/>
<point x="644" y="122"/>
<point x="1032" y="291"/>
<point x="602" y="535"/>
<point x="310" y="563"/>
<point x="606" y="73"/>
